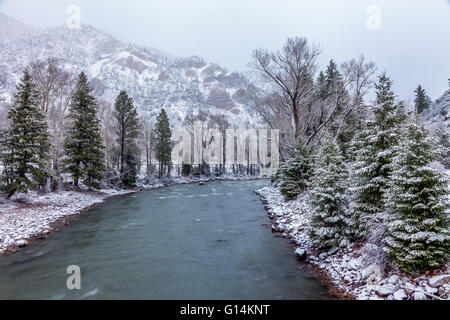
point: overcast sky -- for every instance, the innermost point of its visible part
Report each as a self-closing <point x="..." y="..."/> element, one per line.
<point x="412" y="42"/>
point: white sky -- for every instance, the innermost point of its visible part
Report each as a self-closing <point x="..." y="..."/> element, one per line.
<point x="412" y="45"/>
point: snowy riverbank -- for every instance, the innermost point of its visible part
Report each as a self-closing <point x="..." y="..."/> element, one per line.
<point x="26" y="217"/>
<point x="350" y="271"/>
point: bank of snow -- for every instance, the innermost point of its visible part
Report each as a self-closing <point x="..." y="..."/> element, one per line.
<point x="349" y="270"/>
<point x="31" y="215"/>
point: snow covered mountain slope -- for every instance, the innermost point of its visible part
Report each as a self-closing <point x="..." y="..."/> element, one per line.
<point x="439" y="112"/>
<point x="152" y="78"/>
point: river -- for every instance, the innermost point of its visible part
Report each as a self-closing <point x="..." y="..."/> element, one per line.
<point x="179" y="242"/>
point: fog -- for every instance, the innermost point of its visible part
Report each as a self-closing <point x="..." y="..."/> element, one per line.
<point x="407" y="38"/>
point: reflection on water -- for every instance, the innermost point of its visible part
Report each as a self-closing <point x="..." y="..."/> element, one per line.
<point x="180" y="242"/>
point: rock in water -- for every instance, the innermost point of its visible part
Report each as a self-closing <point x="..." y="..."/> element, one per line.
<point x="22" y="243"/>
<point x="300" y="253"/>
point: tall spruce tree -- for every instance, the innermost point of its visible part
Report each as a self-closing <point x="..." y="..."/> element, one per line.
<point x="374" y="148"/>
<point x="26" y="148"/>
<point x="334" y="90"/>
<point x="163" y="146"/>
<point x="127" y="133"/>
<point x="418" y="234"/>
<point x="333" y="77"/>
<point x="322" y="91"/>
<point x="422" y="101"/>
<point x="83" y="144"/>
<point x="295" y="172"/>
<point x="330" y="223"/>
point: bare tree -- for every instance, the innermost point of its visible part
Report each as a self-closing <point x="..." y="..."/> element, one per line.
<point x="345" y="97"/>
<point x="108" y="132"/>
<point x="220" y="122"/>
<point x="46" y="74"/>
<point x="361" y="75"/>
<point x="269" y="108"/>
<point x="147" y="141"/>
<point x="191" y="117"/>
<point x="55" y="86"/>
<point x="291" y="70"/>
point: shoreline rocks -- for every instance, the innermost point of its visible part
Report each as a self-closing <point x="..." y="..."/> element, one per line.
<point x="349" y="271"/>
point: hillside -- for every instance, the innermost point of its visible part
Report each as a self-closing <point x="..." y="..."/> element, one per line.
<point x="439" y="112"/>
<point x="152" y="78"/>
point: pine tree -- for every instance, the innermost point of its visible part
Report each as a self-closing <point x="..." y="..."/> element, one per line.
<point x="83" y="144"/>
<point x="422" y="101"/>
<point x="330" y="223"/>
<point x="333" y="77"/>
<point x="334" y="88"/>
<point x="374" y="150"/>
<point x="418" y="234"/>
<point x="4" y="152"/>
<point x="322" y="92"/>
<point x="27" y="145"/>
<point x="443" y="136"/>
<point x="295" y="172"/>
<point x="275" y="179"/>
<point x="163" y="147"/>
<point x="127" y="133"/>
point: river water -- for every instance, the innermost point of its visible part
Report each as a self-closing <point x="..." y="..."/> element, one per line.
<point x="179" y="242"/>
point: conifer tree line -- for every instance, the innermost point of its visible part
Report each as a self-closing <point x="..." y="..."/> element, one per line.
<point x="386" y="192"/>
<point x="86" y="150"/>
<point x="369" y="170"/>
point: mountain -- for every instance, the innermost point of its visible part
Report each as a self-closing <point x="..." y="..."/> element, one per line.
<point x="152" y="78"/>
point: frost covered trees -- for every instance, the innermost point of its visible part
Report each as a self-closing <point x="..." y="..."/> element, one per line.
<point x="83" y="143"/>
<point x="26" y="148"/>
<point x="294" y="173"/>
<point x="127" y="127"/>
<point x="422" y="102"/>
<point x="374" y="150"/>
<point x="330" y="223"/>
<point x="418" y="235"/>
<point x="290" y="70"/>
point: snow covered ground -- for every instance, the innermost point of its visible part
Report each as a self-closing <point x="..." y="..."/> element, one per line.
<point x="349" y="270"/>
<point x="25" y="217"/>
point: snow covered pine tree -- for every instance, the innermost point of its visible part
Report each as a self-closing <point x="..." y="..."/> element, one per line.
<point x="330" y="223"/>
<point x="374" y="150"/>
<point x="295" y="172"/>
<point x="418" y="236"/>
<point x="83" y="143"/>
<point x="127" y="130"/>
<point x="26" y="159"/>
<point x="163" y="147"/>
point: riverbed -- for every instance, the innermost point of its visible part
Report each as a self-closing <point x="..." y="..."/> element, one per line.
<point x="179" y="242"/>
